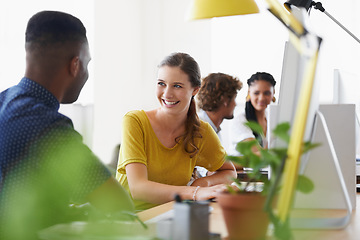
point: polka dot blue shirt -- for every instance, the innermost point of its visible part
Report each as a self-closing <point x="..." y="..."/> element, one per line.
<point x="42" y="157"/>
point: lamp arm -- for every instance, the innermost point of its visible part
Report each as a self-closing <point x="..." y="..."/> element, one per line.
<point x="318" y="6"/>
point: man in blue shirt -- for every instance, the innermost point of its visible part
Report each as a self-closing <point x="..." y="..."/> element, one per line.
<point x="44" y="165"/>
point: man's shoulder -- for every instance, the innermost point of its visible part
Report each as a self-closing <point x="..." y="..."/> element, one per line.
<point x="9" y="94"/>
<point x="21" y="113"/>
<point x="29" y="110"/>
<point x="202" y="114"/>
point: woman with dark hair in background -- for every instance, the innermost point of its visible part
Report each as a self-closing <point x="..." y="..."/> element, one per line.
<point x="260" y="95"/>
<point x="161" y="147"/>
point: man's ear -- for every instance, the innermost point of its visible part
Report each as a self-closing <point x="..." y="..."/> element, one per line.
<point x="74" y="66"/>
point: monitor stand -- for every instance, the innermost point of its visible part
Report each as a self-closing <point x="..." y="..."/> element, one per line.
<point x="332" y="169"/>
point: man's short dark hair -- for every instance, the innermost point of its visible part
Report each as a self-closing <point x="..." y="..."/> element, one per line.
<point x="51" y="27"/>
<point x="217" y="88"/>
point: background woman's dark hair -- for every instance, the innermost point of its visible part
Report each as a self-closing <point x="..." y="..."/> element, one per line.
<point x="189" y="66"/>
<point x="249" y="108"/>
<point x="217" y="88"/>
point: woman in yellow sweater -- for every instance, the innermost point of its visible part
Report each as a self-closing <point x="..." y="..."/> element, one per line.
<point x="161" y="147"/>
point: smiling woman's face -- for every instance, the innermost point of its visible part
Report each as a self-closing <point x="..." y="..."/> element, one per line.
<point x="261" y="93"/>
<point x="174" y="90"/>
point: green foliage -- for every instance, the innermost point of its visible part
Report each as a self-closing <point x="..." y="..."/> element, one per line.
<point x="268" y="157"/>
<point x="281" y="131"/>
<point x="304" y="184"/>
<point x="254" y="126"/>
<point x="275" y="158"/>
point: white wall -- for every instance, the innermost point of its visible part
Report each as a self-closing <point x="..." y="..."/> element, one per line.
<point x="14" y="16"/>
<point x="339" y="50"/>
<point x="132" y="37"/>
<point x="128" y="38"/>
<point x="13" y="21"/>
<point x="243" y="45"/>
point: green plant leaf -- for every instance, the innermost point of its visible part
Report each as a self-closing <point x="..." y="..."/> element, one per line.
<point x="255" y="127"/>
<point x="269" y="157"/>
<point x="280" y="152"/>
<point x="304" y="184"/>
<point x="244" y="147"/>
<point x="272" y="157"/>
<point x="308" y="146"/>
<point x="282" y="230"/>
<point x="237" y="159"/>
<point x="255" y="162"/>
<point x="281" y="131"/>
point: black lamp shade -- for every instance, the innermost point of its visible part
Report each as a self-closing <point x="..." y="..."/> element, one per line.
<point x="298" y="3"/>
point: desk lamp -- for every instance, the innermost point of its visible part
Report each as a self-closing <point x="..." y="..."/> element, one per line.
<point x="201" y="9"/>
<point x="308" y="4"/>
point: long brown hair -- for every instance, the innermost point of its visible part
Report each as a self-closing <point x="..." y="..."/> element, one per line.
<point x="192" y="125"/>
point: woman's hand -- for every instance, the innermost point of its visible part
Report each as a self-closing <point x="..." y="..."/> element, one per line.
<point x="142" y="189"/>
<point x="205" y="193"/>
<point x="224" y="175"/>
<point x="202" y="182"/>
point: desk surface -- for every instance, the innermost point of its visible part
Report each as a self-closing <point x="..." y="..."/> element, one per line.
<point x="217" y="224"/>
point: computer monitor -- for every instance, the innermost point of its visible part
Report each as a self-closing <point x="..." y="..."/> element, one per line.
<point x="328" y="164"/>
<point x="299" y="105"/>
<point x="290" y="85"/>
<point x="346" y="91"/>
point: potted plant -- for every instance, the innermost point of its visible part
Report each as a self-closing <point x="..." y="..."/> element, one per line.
<point x="248" y="209"/>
